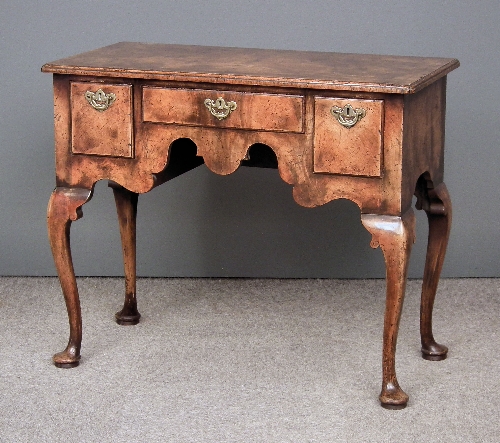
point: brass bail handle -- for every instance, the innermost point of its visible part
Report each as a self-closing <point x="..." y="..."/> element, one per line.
<point x="99" y="100"/>
<point x="219" y="108"/>
<point x="347" y="116"/>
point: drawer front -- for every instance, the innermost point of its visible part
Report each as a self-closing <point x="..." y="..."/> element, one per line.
<point x="239" y="110"/>
<point x="101" y="119"/>
<point x="349" y="144"/>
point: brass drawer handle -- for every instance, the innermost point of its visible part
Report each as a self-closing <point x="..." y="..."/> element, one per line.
<point x="219" y="108"/>
<point x="99" y="100"/>
<point x="347" y="116"/>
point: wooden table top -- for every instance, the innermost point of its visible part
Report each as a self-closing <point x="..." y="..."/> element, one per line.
<point x="258" y="67"/>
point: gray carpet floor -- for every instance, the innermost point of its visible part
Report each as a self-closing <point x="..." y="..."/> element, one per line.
<point x="243" y="360"/>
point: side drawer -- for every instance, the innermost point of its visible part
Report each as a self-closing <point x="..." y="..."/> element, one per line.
<point x="348" y="149"/>
<point x="261" y="112"/>
<point x="101" y="119"/>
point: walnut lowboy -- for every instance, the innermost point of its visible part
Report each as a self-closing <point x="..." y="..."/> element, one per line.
<point x="368" y="128"/>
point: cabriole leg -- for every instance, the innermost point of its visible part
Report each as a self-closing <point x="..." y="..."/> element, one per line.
<point x="65" y="207"/>
<point x="126" y="207"/>
<point x="395" y="236"/>
<point x="437" y="204"/>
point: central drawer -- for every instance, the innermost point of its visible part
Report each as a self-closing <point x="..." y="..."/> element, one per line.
<point x="223" y="109"/>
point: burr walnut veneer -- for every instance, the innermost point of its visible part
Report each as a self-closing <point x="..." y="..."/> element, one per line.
<point x="367" y="128"/>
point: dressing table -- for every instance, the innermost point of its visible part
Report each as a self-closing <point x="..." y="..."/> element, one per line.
<point x="368" y="128"/>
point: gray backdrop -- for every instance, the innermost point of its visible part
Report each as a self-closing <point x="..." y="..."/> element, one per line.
<point x="246" y="224"/>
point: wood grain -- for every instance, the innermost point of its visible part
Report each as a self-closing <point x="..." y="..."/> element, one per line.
<point x="348" y="151"/>
<point x="263" y="112"/>
<point x="298" y="69"/>
<point x="107" y="133"/>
